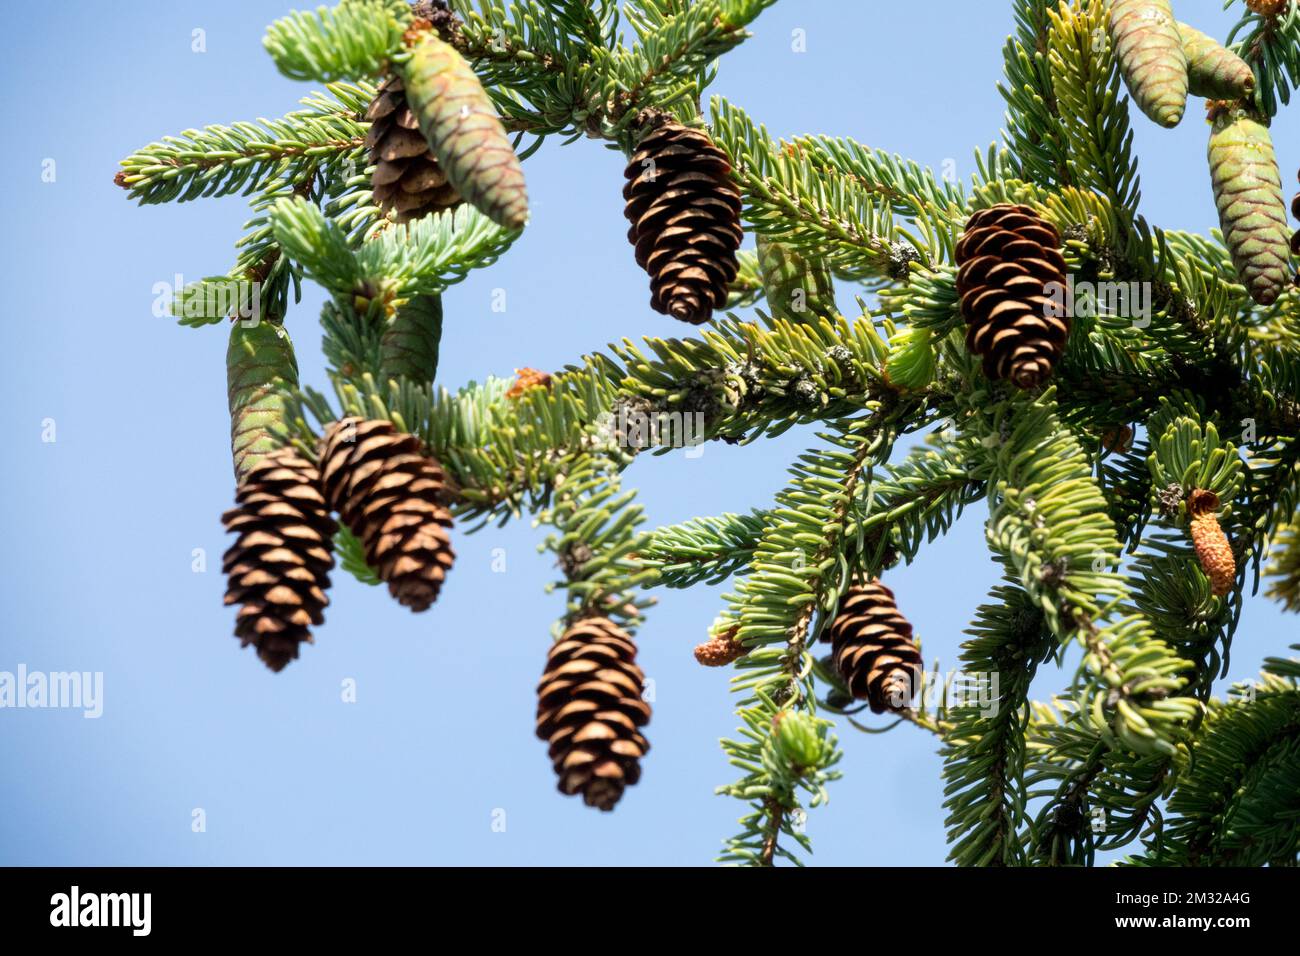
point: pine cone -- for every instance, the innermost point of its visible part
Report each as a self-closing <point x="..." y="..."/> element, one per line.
<point x="872" y="647"/>
<point x="389" y="494"/>
<point x="589" y="707"/>
<point x="278" y="566"/>
<point x="1248" y="193"/>
<point x="685" y="216"/>
<point x="462" y="128"/>
<point x="1212" y="547"/>
<point x="1151" y="57"/>
<point x="408" y="182"/>
<point x="1214" y="72"/>
<point x="1007" y="258"/>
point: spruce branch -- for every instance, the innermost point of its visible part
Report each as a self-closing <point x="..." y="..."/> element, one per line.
<point x="244" y="157"/>
<point x="352" y="40"/>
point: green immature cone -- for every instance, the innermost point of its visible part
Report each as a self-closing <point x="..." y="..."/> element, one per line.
<point x="1151" y="57"/>
<point x="260" y="370"/>
<point x="409" y="348"/>
<point x="1248" y="193"/>
<point x="797" y="289"/>
<point x="464" y="132"/>
<point x="1213" y="71"/>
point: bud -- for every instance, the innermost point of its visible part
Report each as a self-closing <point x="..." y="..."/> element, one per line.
<point x="798" y="739"/>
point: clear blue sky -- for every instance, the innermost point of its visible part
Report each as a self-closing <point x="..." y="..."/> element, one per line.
<point x="101" y="523"/>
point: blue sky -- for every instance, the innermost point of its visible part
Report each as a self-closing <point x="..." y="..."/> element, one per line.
<point x="103" y="521"/>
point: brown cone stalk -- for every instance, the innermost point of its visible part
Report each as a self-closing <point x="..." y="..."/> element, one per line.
<point x="1010" y="277"/>
<point x="685" y="216"/>
<point x="408" y="182"/>
<point x="389" y="493"/>
<point x="278" y="566"/>
<point x="1213" y="549"/>
<point x="589" y="709"/>
<point x="873" y="649"/>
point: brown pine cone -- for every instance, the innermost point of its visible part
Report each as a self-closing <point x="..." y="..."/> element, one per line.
<point x="589" y="707"/>
<point x="278" y="566"/>
<point x="1007" y="258"/>
<point x="389" y="494"/>
<point x="408" y="182"/>
<point x="685" y="216"/>
<point x="873" y="650"/>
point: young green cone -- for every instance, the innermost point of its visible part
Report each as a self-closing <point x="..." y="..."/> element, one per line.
<point x="1248" y="193"/>
<point x="797" y="288"/>
<point x="1151" y="57"/>
<point x="260" y="368"/>
<point x="457" y="118"/>
<point x="1212" y="71"/>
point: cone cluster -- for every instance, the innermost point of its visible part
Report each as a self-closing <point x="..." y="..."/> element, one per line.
<point x="873" y="650"/>
<point x="1213" y="549"/>
<point x="1163" y="60"/>
<point x="278" y="566"/>
<point x="1009" y="262"/>
<point x="389" y="493"/>
<point x="408" y="182"/>
<point x="684" y="212"/>
<point x="589" y="710"/>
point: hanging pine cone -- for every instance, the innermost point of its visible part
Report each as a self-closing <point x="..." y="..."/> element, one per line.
<point x="873" y="650"/>
<point x="278" y="566"/>
<point x="1007" y="259"/>
<point x="1213" y="549"/>
<point x="464" y="132"/>
<point x="1151" y="57"/>
<point x="408" y="182"/>
<point x="1248" y="193"/>
<point x="589" y="707"/>
<point x="1213" y="71"/>
<point x="389" y="494"/>
<point x="685" y="216"/>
